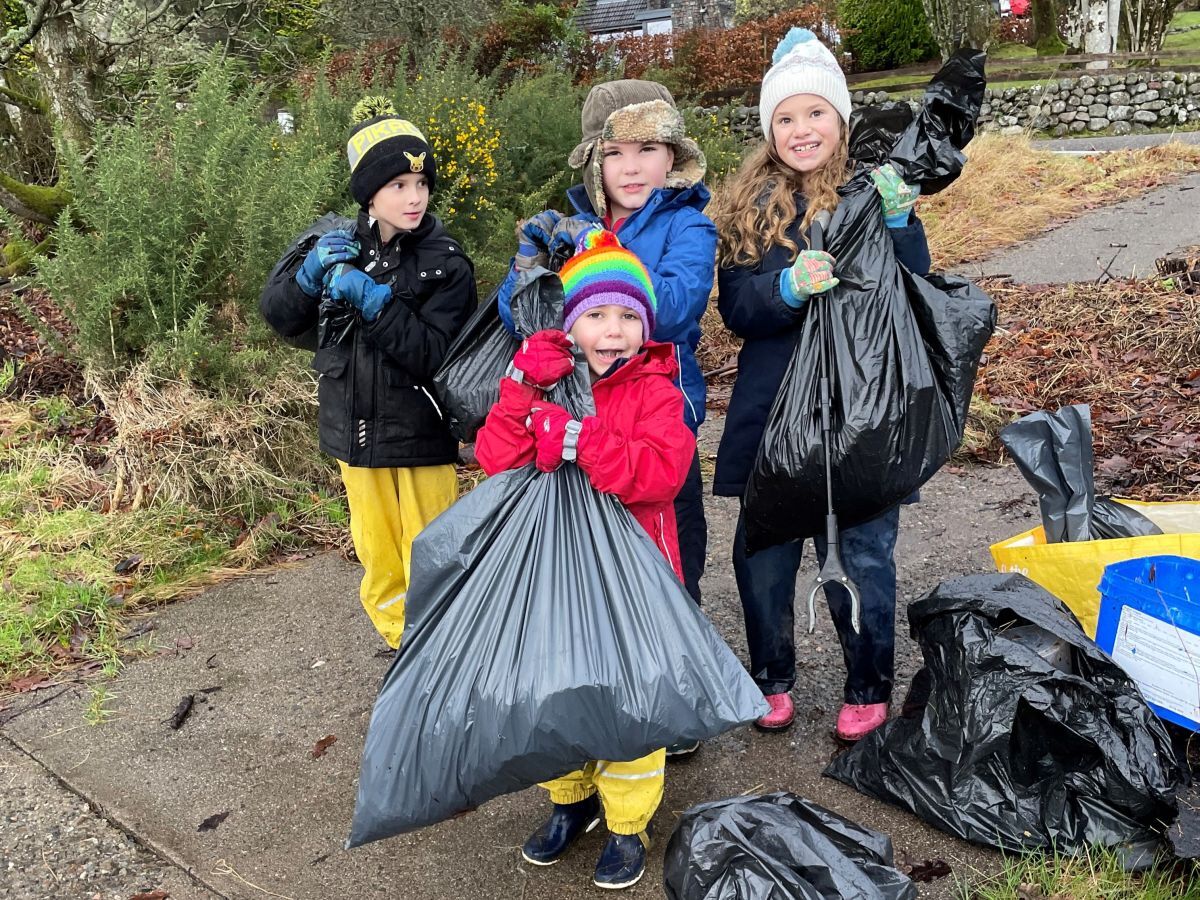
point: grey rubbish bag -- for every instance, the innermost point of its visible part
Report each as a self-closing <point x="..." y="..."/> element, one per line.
<point x="1020" y="733"/>
<point x="778" y="847"/>
<point x="545" y="629"/>
<point x="1053" y="450"/>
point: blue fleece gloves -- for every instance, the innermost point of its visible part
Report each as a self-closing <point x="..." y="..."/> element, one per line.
<point x="334" y="247"/>
<point x="350" y="285"/>
<point x="536" y="231"/>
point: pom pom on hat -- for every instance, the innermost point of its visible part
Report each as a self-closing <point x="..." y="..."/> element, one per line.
<point x="383" y="146"/>
<point x="801" y="64"/>
<point x="372" y="107"/>
<point x="794" y="38"/>
<point x="603" y="273"/>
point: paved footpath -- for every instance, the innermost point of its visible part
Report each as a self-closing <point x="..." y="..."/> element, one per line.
<point x="234" y="804"/>
<point x="1124" y="239"/>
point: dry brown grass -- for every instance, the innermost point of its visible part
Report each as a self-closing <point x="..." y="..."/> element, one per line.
<point x="186" y="446"/>
<point x="1010" y="191"/>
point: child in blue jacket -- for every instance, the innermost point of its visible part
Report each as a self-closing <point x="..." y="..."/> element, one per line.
<point x="643" y="179"/>
<point x="764" y="279"/>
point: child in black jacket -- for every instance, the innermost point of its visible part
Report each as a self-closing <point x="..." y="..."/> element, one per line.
<point x="412" y="288"/>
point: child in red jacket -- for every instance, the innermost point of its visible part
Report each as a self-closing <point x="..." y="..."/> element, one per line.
<point x="635" y="447"/>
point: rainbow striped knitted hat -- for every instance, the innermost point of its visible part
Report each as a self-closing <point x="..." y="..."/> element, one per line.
<point x="602" y="272"/>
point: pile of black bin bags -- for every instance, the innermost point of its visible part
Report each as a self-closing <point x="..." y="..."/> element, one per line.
<point x="1019" y="732"/>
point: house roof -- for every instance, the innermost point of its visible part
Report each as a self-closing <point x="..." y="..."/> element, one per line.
<point x="599" y="16"/>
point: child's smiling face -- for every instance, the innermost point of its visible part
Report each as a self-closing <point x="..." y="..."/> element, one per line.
<point x="805" y="132"/>
<point x="631" y="170"/>
<point x="606" y="334"/>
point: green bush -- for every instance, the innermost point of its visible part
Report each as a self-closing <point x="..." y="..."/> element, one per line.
<point x="723" y="149"/>
<point x="183" y="211"/>
<point x="886" y="34"/>
<point x="540" y="118"/>
<point x="456" y="109"/>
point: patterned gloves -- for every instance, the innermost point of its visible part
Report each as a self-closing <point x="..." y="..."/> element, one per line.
<point x="811" y="273"/>
<point x="897" y="197"/>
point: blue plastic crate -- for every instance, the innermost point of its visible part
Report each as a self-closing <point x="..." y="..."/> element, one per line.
<point x="1150" y="624"/>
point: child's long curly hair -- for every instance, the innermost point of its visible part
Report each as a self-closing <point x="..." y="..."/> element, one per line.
<point x="759" y="204"/>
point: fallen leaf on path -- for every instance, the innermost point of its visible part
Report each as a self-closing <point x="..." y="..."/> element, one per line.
<point x="128" y="564"/>
<point x="151" y="895"/>
<point x="929" y="869"/>
<point x="30" y="683"/>
<point x="323" y="744"/>
<point x="213" y="821"/>
<point x="184" y="643"/>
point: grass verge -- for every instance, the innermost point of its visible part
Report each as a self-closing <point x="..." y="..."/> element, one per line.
<point x="75" y="565"/>
<point x="1092" y="876"/>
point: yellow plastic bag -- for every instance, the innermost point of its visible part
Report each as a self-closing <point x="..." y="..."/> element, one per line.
<point x="1072" y="571"/>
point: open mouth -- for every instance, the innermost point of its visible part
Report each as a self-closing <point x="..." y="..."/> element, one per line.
<point x="805" y="148"/>
<point x="609" y="356"/>
<point x="632" y="188"/>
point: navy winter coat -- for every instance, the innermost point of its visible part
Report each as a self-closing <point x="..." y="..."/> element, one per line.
<point x="752" y="307"/>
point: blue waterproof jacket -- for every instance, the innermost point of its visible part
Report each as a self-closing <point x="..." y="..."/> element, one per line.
<point x="750" y="302"/>
<point x="677" y="243"/>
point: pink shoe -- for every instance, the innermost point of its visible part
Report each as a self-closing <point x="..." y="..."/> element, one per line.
<point x="783" y="711"/>
<point x="856" y="722"/>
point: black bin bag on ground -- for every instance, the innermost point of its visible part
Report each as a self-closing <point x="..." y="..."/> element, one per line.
<point x="904" y="354"/>
<point x="1020" y="732"/>
<point x="545" y="629"/>
<point x="778" y="847"/>
<point x="1053" y="450"/>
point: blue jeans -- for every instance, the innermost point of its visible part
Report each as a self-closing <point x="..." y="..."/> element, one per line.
<point x="767" y="585"/>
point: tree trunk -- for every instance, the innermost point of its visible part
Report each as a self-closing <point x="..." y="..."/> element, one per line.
<point x="58" y="50"/>
<point x="1045" y="28"/>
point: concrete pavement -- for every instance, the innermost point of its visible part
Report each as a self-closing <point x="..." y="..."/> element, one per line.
<point x="1125" y="239"/>
<point x="278" y="661"/>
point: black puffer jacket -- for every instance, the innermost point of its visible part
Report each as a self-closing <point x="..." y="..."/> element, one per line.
<point x="377" y="408"/>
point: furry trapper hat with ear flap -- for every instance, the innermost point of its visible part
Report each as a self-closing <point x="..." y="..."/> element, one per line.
<point x="633" y="110"/>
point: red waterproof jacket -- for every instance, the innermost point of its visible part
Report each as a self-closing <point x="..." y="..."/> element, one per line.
<point x="636" y="447"/>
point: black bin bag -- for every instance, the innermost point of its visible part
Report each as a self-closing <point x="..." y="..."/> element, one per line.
<point x="1019" y="732"/>
<point x="875" y="129"/>
<point x="778" y="847"/>
<point x="468" y="381"/>
<point x="545" y="629"/>
<point x="904" y="354"/>
<point x="1053" y="450"/>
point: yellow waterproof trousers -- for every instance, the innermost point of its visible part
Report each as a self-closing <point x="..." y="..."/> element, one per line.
<point x="630" y="792"/>
<point x="388" y="509"/>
